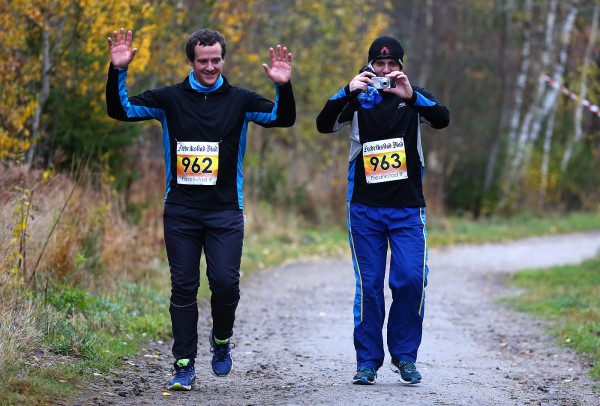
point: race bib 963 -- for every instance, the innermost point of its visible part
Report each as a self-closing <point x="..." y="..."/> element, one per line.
<point x="385" y="161"/>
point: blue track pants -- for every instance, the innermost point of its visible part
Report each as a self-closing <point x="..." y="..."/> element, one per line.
<point x="370" y="231"/>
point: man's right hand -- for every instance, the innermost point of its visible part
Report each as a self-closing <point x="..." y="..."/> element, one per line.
<point x="121" y="53"/>
<point x="360" y="82"/>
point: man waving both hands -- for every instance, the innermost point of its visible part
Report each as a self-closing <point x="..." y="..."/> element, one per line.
<point x="205" y="122"/>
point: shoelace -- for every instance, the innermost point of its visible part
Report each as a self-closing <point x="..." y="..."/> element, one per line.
<point x="407" y="366"/>
<point x="184" y="373"/>
<point x="221" y="351"/>
<point x="366" y="371"/>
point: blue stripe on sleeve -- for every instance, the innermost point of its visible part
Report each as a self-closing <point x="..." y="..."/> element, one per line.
<point x="131" y="110"/>
<point x="340" y="94"/>
<point x="423" y="101"/>
<point x="265" y="118"/>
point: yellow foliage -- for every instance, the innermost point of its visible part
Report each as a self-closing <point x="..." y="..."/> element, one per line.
<point x="77" y="31"/>
<point x="232" y="17"/>
<point x="46" y="176"/>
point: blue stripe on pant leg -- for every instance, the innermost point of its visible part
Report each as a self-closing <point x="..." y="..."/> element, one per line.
<point x="357" y="308"/>
<point x="408" y="274"/>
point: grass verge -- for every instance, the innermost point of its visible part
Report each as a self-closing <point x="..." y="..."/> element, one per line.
<point x="54" y="345"/>
<point x="569" y="297"/>
<point x="454" y="230"/>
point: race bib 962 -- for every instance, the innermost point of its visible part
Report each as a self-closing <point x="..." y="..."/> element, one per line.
<point x="197" y="163"/>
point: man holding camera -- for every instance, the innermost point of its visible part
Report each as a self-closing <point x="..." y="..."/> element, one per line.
<point x="386" y="205"/>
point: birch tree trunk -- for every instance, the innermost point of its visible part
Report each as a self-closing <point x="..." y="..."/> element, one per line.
<point x="526" y="133"/>
<point x="546" y="158"/>
<point x="521" y="79"/>
<point x="549" y="103"/>
<point x="578" y="135"/>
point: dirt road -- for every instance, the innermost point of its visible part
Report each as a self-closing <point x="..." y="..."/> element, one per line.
<point x="294" y="340"/>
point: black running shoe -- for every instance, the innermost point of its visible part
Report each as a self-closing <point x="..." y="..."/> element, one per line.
<point x="365" y="376"/>
<point x="407" y="371"/>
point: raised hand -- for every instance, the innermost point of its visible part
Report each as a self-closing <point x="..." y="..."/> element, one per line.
<point x="360" y="82"/>
<point x="403" y="87"/>
<point x="280" y="70"/>
<point x="121" y="53"/>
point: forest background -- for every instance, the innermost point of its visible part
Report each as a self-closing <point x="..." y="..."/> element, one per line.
<point x="81" y="194"/>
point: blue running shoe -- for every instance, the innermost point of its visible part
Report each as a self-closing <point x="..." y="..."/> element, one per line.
<point x="221" y="361"/>
<point x="365" y="376"/>
<point x="407" y="371"/>
<point x="185" y="375"/>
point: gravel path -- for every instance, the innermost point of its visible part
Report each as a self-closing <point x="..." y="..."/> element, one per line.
<point x="294" y="340"/>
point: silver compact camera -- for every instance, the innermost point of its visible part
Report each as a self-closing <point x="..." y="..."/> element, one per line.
<point x="382" y="82"/>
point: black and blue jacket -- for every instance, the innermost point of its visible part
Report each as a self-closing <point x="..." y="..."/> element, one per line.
<point x="391" y="118"/>
<point x="219" y="115"/>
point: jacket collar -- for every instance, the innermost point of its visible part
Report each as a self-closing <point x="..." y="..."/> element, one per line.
<point x="191" y="83"/>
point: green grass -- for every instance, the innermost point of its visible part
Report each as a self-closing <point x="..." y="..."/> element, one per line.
<point x="569" y="297"/>
<point x="448" y="231"/>
<point x="262" y="251"/>
<point x="83" y="335"/>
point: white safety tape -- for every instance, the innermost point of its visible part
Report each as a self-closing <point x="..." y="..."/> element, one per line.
<point x="584" y="102"/>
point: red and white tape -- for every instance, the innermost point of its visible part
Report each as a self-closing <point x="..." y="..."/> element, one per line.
<point x="584" y="102"/>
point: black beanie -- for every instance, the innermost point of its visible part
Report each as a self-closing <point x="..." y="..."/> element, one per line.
<point x="386" y="48"/>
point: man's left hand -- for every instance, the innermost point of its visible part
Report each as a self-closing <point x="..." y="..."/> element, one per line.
<point x="403" y="87"/>
<point x="280" y="70"/>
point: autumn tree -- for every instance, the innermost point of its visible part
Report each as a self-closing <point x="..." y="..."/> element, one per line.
<point x="17" y="73"/>
<point x="54" y="69"/>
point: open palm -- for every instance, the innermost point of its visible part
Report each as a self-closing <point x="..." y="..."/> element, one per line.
<point x="280" y="70"/>
<point x="121" y="53"/>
